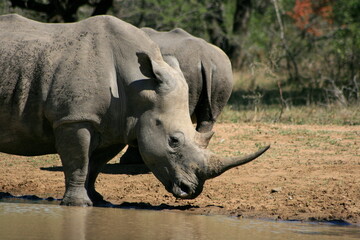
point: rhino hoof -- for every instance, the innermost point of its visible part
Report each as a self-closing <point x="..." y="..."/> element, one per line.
<point x="76" y="202"/>
<point x="76" y="197"/>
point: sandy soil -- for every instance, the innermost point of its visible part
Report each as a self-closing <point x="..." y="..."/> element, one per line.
<point x="311" y="173"/>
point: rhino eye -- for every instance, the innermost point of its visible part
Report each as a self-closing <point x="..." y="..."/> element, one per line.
<point x="176" y="140"/>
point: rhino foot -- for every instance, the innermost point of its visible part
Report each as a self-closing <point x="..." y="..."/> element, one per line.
<point x="76" y="197"/>
<point x="76" y="202"/>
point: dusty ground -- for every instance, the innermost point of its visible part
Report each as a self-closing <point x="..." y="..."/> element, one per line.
<point x="310" y="173"/>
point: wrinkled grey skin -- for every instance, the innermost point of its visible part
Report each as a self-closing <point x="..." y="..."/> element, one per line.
<point x="206" y="69"/>
<point x="85" y="90"/>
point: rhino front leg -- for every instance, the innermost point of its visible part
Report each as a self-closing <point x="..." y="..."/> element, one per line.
<point x="73" y="143"/>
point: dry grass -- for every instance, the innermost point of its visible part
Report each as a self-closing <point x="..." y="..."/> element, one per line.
<point x="249" y="104"/>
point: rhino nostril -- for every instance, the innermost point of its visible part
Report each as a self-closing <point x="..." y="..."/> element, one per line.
<point x="182" y="190"/>
<point x="185" y="188"/>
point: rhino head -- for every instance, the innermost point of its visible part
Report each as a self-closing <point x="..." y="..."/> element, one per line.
<point x="168" y="142"/>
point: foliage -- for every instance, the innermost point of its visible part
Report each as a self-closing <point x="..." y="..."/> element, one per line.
<point x="305" y="11"/>
<point x="162" y="15"/>
<point x="317" y="50"/>
<point x="57" y="10"/>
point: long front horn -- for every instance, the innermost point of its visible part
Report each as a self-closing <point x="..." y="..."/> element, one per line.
<point x="217" y="166"/>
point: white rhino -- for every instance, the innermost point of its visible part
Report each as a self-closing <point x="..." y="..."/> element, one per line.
<point x="85" y="90"/>
<point x="207" y="70"/>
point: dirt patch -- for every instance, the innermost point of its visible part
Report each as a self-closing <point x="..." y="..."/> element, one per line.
<point x="310" y="173"/>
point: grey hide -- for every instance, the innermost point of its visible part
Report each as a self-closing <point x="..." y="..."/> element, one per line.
<point x="206" y="69"/>
<point x="85" y="90"/>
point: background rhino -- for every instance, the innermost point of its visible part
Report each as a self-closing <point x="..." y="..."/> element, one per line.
<point x="206" y="69"/>
<point x="85" y="90"/>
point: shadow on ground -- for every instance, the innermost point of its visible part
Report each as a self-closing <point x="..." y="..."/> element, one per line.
<point x="33" y="199"/>
<point x="129" y="169"/>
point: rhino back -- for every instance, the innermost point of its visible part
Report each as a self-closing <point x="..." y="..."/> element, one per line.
<point x="51" y="74"/>
<point x="24" y="71"/>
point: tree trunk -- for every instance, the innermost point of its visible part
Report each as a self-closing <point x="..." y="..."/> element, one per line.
<point x="229" y="41"/>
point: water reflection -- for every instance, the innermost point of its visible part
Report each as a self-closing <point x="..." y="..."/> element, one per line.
<point x="46" y="221"/>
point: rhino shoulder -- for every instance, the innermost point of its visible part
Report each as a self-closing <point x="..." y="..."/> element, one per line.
<point x="12" y="18"/>
<point x="15" y="20"/>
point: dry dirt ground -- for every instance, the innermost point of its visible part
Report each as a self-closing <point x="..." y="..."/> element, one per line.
<point x="311" y="173"/>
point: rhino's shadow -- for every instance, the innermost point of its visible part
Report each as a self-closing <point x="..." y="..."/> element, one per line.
<point x="148" y="206"/>
<point x="129" y="169"/>
<point x="7" y="197"/>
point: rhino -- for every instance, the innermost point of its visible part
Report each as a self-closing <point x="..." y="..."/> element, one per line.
<point x="85" y="90"/>
<point x="208" y="73"/>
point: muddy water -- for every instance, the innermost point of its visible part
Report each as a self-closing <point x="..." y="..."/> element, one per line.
<point x="49" y="221"/>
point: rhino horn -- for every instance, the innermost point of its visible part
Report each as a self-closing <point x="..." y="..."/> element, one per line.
<point x="203" y="139"/>
<point x="217" y="165"/>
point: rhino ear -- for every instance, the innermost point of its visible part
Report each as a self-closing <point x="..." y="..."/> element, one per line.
<point x="157" y="70"/>
<point x="145" y="65"/>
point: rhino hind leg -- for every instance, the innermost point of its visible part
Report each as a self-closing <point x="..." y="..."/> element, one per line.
<point x="97" y="161"/>
<point x="73" y="143"/>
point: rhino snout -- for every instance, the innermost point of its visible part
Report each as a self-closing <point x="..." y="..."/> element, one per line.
<point x="186" y="190"/>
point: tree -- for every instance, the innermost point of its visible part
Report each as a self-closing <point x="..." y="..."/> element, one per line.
<point x="321" y="57"/>
<point x="63" y="10"/>
<point x="227" y="25"/>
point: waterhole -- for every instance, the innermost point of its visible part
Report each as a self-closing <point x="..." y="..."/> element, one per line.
<point x="27" y="220"/>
